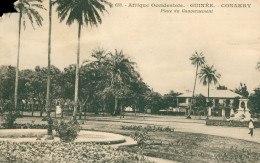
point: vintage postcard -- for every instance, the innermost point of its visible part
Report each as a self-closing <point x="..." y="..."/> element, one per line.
<point x="130" y="81"/>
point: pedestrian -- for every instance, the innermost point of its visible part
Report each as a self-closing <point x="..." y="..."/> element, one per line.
<point x="251" y="127"/>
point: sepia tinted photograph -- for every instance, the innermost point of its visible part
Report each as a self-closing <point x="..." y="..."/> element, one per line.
<point x="130" y="81"/>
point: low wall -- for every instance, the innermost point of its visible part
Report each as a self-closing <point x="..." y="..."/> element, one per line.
<point x="212" y="122"/>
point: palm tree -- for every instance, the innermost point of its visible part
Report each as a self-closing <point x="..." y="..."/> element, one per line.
<point x="208" y="75"/>
<point x="121" y="71"/>
<point x="26" y="8"/>
<point x="99" y="55"/>
<point x="82" y="11"/>
<point x="197" y="60"/>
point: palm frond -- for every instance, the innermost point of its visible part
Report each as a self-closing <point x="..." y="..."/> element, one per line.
<point x="83" y="11"/>
<point x="37" y="17"/>
<point x="197" y="59"/>
<point x="258" y="65"/>
<point x="208" y="75"/>
<point x="28" y="8"/>
<point x="39" y="6"/>
<point x="24" y="24"/>
<point x="30" y="17"/>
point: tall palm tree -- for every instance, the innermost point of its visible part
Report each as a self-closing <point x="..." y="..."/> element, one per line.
<point x="82" y="11"/>
<point x="26" y="8"/>
<point x="198" y="60"/>
<point x="208" y="75"/>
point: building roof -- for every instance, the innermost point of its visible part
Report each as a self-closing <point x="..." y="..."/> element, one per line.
<point x="213" y="94"/>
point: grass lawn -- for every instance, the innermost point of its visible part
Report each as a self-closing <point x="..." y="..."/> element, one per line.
<point x="180" y="146"/>
<point x="187" y="147"/>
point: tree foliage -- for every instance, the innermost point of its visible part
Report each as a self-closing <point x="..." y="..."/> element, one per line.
<point x="222" y="87"/>
<point x="254" y="101"/>
<point x="108" y="82"/>
<point x="209" y="75"/>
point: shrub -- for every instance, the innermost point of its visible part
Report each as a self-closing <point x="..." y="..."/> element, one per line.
<point x="9" y="120"/>
<point x="31" y="126"/>
<point x="141" y="137"/>
<point x="67" y="131"/>
<point x="149" y="128"/>
<point x="212" y="122"/>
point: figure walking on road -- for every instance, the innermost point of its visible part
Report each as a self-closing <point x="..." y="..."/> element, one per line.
<point x="251" y="127"/>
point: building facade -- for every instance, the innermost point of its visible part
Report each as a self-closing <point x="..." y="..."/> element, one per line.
<point x="223" y="102"/>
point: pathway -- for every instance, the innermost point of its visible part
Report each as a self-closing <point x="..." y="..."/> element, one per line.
<point x="187" y="125"/>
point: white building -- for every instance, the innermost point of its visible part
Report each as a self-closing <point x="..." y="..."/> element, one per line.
<point x="222" y="101"/>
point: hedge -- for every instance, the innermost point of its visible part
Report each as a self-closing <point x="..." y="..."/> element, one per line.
<point x="211" y="122"/>
<point x="172" y="113"/>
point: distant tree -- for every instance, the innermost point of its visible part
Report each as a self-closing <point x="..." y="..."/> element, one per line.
<point x="68" y="80"/>
<point x="7" y="78"/>
<point x="199" y="103"/>
<point x="254" y="101"/>
<point x="222" y="87"/>
<point x="98" y="76"/>
<point x="121" y="71"/>
<point x="242" y="90"/>
<point x="35" y="85"/>
<point x="209" y="75"/>
<point x="170" y="99"/>
<point x="198" y="60"/>
<point x="137" y="98"/>
<point x="154" y="101"/>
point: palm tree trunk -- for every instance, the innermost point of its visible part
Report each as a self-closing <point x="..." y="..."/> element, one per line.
<point x="49" y="72"/>
<point x="120" y="109"/>
<point x="193" y="92"/>
<point x="115" y="106"/>
<point x="32" y="108"/>
<point x="208" y="101"/>
<point x="77" y="76"/>
<point x="80" y="111"/>
<point x="85" y="112"/>
<point x="17" y="63"/>
<point x="104" y="108"/>
<point x="49" y="62"/>
<point x="208" y="91"/>
<point x="41" y="107"/>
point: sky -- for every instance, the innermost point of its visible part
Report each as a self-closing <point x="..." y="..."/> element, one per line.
<point x="160" y="43"/>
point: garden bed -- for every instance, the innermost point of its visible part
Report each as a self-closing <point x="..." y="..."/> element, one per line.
<point x="63" y="152"/>
<point x="185" y="147"/>
<point x="214" y="122"/>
